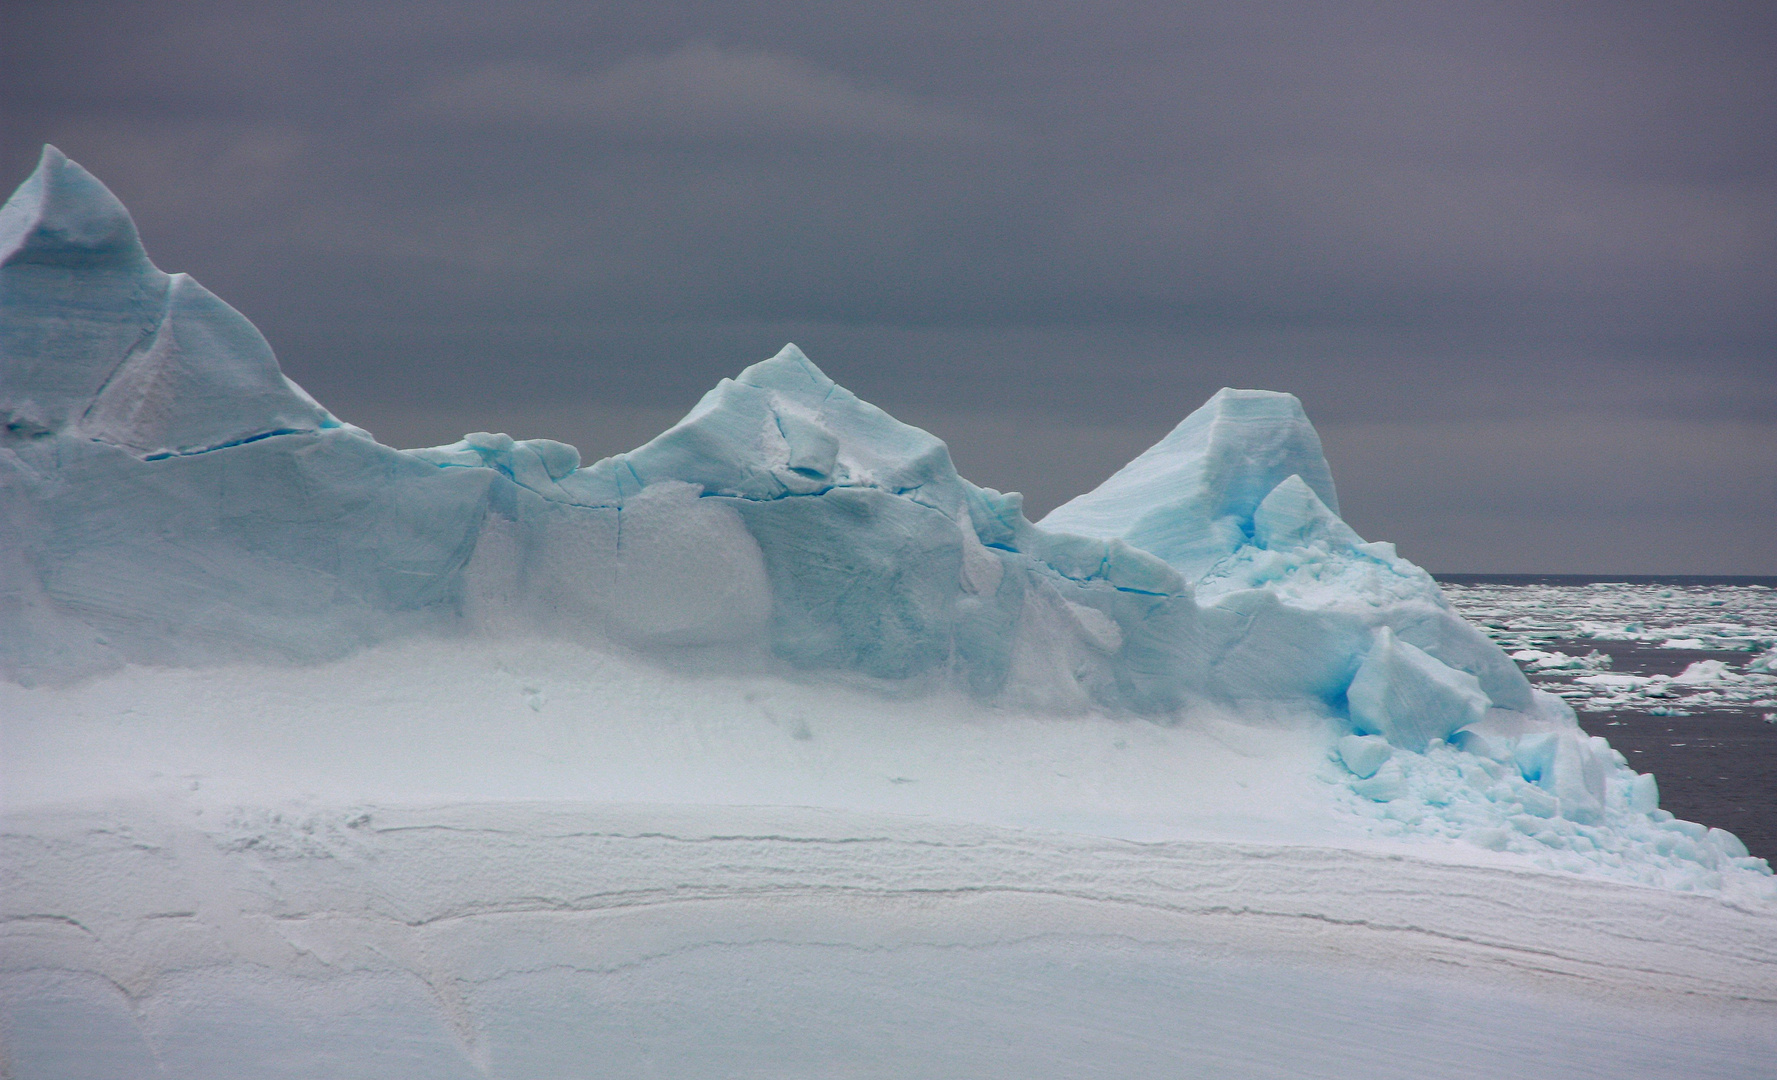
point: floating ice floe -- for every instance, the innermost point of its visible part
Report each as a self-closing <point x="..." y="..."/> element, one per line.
<point x="1538" y="660"/>
<point x="1551" y="631"/>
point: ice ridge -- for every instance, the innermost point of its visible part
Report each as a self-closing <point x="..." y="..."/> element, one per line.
<point x="167" y="496"/>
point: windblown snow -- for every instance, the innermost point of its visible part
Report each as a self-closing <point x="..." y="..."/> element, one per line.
<point x="771" y="747"/>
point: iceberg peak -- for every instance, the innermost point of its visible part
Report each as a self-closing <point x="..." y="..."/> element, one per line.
<point x="77" y="295"/>
<point x="790" y="371"/>
<point x="781" y="428"/>
<point x="97" y="341"/>
<point x="1190" y="498"/>
<point x="63" y="214"/>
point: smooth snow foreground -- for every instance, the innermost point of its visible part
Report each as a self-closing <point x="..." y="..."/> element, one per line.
<point x="455" y="860"/>
<point x="772" y="747"/>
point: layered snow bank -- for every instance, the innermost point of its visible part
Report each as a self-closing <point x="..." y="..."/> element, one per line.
<point x="524" y="940"/>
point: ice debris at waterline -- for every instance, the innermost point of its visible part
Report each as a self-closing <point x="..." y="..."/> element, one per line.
<point x="170" y="498"/>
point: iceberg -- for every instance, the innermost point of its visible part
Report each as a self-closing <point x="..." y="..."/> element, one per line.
<point x="251" y="655"/>
<point x="169" y="497"/>
<point x="172" y="497"/>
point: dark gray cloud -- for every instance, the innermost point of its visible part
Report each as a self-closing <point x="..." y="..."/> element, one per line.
<point x="1519" y="262"/>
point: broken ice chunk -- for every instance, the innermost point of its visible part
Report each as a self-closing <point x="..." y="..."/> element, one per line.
<point x="1364" y="754"/>
<point x="1409" y="697"/>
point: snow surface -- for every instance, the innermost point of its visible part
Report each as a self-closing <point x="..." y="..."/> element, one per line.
<point x="772" y="746"/>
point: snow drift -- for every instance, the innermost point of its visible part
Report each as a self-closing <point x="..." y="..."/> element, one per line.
<point x="190" y="540"/>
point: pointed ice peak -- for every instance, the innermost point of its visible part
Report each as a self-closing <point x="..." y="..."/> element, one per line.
<point x="782" y="427"/>
<point x="1190" y="498"/>
<point x="62" y="214"/>
<point x="789" y="372"/>
<point x="1250" y="432"/>
<point x="94" y="339"/>
<point x="77" y="295"/>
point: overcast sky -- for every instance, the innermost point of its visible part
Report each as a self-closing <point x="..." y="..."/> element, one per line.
<point x="1518" y="260"/>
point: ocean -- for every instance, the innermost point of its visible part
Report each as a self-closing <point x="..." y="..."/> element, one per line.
<point x="1678" y="672"/>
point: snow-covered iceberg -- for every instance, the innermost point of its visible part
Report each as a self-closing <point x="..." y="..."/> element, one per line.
<point x="184" y="533"/>
<point x="171" y="497"/>
<point x="168" y="496"/>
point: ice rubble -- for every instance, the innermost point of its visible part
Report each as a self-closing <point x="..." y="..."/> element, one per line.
<point x="167" y="496"/>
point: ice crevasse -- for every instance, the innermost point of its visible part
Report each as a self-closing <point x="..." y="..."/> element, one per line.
<point x="169" y="497"/>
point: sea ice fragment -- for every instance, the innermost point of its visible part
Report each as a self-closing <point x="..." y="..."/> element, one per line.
<point x="1385" y="785"/>
<point x="1704" y="671"/>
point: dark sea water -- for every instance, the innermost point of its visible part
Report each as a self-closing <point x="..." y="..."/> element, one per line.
<point x="1711" y="743"/>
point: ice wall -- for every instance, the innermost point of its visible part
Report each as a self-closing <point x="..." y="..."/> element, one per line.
<point x="167" y="496"/>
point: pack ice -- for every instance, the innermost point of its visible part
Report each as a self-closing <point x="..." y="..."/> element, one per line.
<point x="206" y="576"/>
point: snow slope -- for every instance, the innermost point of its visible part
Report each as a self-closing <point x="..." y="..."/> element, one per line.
<point x="771" y="747"/>
<point x="532" y="859"/>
